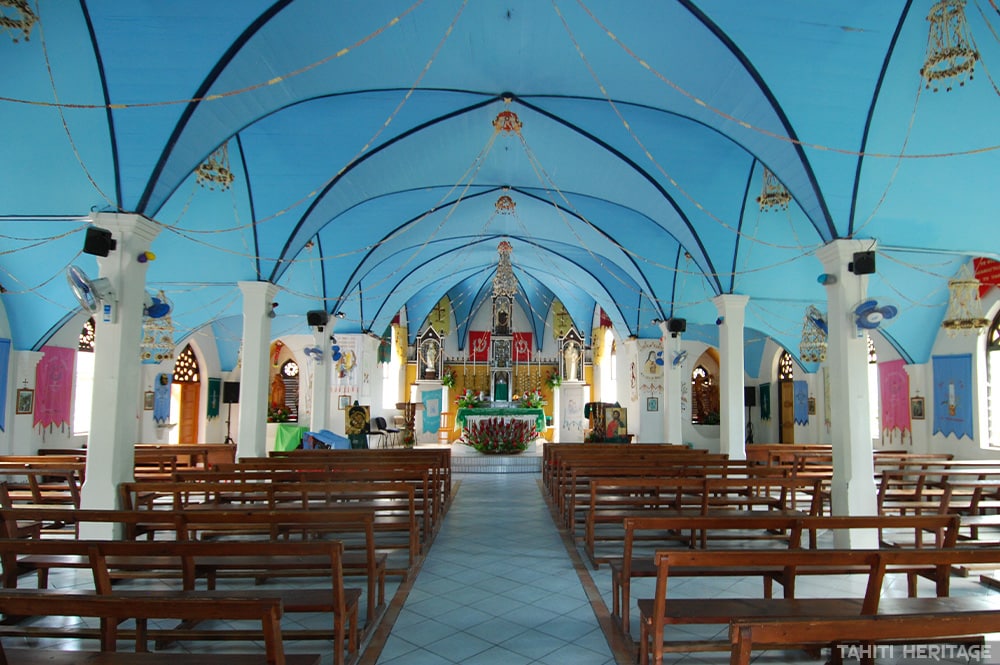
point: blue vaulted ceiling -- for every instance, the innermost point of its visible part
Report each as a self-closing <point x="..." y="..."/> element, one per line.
<point x="367" y="167"/>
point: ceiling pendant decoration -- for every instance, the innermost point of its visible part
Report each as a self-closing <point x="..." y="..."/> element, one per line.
<point x="16" y="16"/>
<point x="214" y="172"/>
<point x="505" y="205"/>
<point x="507" y="121"/>
<point x="965" y="310"/>
<point x="949" y="53"/>
<point x="504" y="282"/>
<point x="773" y="195"/>
<point x="812" y="348"/>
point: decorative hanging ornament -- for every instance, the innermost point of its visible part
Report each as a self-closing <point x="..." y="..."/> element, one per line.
<point x="949" y="51"/>
<point x="16" y="16"/>
<point x="504" y="282"/>
<point x="812" y="348"/>
<point x="157" y="335"/>
<point x="965" y="310"/>
<point x="507" y="121"/>
<point x="773" y="195"/>
<point x="214" y="171"/>
<point x="505" y="205"/>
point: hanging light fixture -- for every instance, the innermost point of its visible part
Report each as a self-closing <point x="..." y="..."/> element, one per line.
<point x="812" y="348"/>
<point x="949" y="51"/>
<point x="504" y="282"/>
<point x="214" y="171"/>
<point x="157" y="336"/>
<point x="773" y="195"/>
<point x="16" y="16"/>
<point x="965" y="310"/>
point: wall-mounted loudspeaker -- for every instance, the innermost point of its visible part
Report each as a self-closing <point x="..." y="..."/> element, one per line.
<point x="863" y="263"/>
<point x="677" y="325"/>
<point x="749" y="396"/>
<point x="317" y="317"/>
<point x="231" y="392"/>
<point x="98" y="242"/>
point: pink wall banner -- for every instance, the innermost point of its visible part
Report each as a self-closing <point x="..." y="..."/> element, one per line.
<point x="54" y="387"/>
<point x="894" y="394"/>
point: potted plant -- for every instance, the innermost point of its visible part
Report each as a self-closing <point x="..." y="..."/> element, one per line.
<point x="497" y="436"/>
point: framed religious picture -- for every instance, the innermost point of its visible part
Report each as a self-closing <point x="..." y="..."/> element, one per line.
<point x="917" y="408"/>
<point x="148" y="399"/>
<point x="812" y="406"/>
<point x="344" y="402"/>
<point x="25" y="400"/>
<point x="652" y="404"/>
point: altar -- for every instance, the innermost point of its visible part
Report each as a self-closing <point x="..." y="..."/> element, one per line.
<point x="467" y="415"/>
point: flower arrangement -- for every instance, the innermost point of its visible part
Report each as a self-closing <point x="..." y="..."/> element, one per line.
<point x="497" y="436"/>
<point x="448" y="380"/>
<point x="532" y="400"/>
<point x="468" y="399"/>
<point x="553" y="380"/>
<point x="278" y="414"/>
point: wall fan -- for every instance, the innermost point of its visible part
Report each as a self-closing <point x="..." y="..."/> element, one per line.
<point x="314" y="353"/>
<point x="679" y="357"/>
<point x="869" y="316"/>
<point x="91" y="292"/>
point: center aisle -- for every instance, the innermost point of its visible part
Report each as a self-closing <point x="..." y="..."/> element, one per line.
<point x="497" y="587"/>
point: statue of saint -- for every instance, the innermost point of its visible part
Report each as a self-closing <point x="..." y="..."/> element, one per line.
<point x="571" y="361"/>
<point x="277" y="398"/>
<point x="430" y="358"/>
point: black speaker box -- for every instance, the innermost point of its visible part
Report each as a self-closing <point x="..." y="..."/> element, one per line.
<point x="863" y="263"/>
<point x="98" y="242"/>
<point x="231" y="392"/>
<point x="677" y="325"/>
<point x="317" y="317"/>
<point x="749" y="396"/>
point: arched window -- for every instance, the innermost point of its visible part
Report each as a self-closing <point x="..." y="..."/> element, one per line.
<point x="704" y="397"/>
<point x="83" y="383"/>
<point x="186" y="370"/>
<point x="290" y="376"/>
<point x="786" y="367"/>
<point x="993" y="380"/>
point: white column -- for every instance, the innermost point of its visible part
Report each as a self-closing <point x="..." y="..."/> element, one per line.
<point x="673" y="376"/>
<point x="732" y="417"/>
<point x="847" y="357"/>
<point x="115" y="413"/>
<point x="321" y="379"/>
<point x="257" y="299"/>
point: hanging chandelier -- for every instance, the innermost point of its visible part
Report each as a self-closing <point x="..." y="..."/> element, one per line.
<point x="773" y="195"/>
<point x="504" y="282"/>
<point x="19" y="19"/>
<point x="965" y="310"/>
<point x="214" y="171"/>
<point x="812" y="348"/>
<point x="949" y="51"/>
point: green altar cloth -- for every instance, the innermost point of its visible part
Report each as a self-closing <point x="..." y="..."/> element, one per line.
<point x="538" y="413"/>
<point x="288" y="437"/>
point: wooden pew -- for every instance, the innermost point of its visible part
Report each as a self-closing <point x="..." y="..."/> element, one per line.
<point x="745" y="635"/>
<point x="197" y="559"/>
<point x="656" y="613"/>
<point x="393" y="504"/>
<point x="138" y="605"/>
<point x="644" y="535"/>
<point x="355" y="528"/>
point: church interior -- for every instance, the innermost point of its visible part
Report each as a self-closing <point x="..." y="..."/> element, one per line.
<point x="238" y="234"/>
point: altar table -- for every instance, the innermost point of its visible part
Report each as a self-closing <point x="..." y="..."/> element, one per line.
<point x="465" y="415"/>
